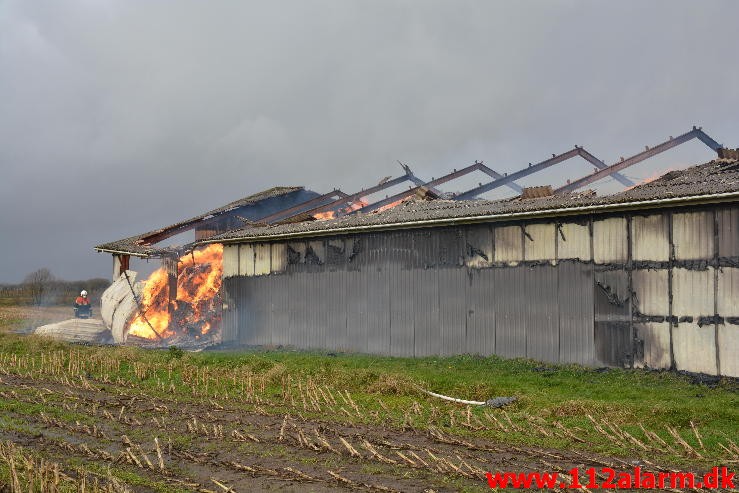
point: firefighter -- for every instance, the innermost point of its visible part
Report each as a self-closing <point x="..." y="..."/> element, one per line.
<point x="82" y="305"/>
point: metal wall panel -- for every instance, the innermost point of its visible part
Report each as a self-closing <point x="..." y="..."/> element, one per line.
<point x="539" y="242"/>
<point x="378" y="294"/>
<point x="280" y="302"/>
<point x="357" y="307"/>
<point x="575" y="300"/>
<point x="510" y="312"/>
<point x="727" y="297"/>
<point x="573" y="241"/>
<point x="399" y="260"/>
<point x="508" y="243"/>
<point x="692" y="292"/>
<point x="651" y="295"/>
<point x="336" y="333"/>
<point x="650" y="236"/>
<point x="654" y="338"/>
<point x="262" y="259"/>
<point x="480" y="297"/>
<point x="611" y="295"/>
<point x="613" y="345"/>
<point x="246" y="260"/>
<point x="244" y="306"/>
<point x="728" y="232"/>
<point x="479" y="249"/>
<point x="542" y="319"/>
<point x="610" y="243"/>
<point x="426" y="319"/>
<point x="694" y="348"/>
<point x="230" y="261"/>
<point x="230" y="323"/>
<point x="452" y="310"/>
<point x="299" y="307"/>
<point x="279" y="257"/>
<point x="728" y="343"/>
<point x="692" y="235"/>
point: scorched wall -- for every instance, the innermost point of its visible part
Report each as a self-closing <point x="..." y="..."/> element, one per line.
<point x="657" y="288"/>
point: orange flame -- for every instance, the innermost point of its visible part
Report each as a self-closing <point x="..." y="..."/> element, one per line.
<point x="652" y="177"/>
<point x="198" y="284"/>
<point x="392" y="204"/>
<point x="353" y="206"/>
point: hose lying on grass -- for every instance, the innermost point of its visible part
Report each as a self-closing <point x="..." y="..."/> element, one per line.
<point x="494" y="402"/>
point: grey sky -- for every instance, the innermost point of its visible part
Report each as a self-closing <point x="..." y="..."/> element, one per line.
<point x="118" y="117"/>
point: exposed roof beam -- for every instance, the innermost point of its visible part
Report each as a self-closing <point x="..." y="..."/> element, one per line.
<point x="696" y="133"/>
<point x="531" y="169"/>
<point x="303" y="206"/>
<point x="478" y="166"/>
<point x="601" y="165"/>
<point x="348" y="199"/>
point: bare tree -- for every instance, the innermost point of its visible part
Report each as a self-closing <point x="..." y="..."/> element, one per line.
<point x="39" y="283"/>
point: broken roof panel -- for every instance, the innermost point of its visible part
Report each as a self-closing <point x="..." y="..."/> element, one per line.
<point x="142" y="244"/>
<point x="713" y="178"/>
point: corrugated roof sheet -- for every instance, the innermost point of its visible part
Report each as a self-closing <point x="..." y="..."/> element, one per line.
<point x="718" y="176"/>
<point x="136" y="245"/>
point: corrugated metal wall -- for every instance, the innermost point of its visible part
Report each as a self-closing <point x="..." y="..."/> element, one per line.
<point x="660" y="291"/>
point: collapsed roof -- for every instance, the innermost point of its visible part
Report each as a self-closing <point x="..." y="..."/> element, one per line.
<point x="292" y="211"/>
<point x="717" y="180"/>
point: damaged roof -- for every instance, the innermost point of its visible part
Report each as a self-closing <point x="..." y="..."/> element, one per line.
<point x="139" y="246"/>
<point x="716" y="178"/>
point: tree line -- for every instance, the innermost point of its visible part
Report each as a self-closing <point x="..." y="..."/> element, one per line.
<point x="41" y="287"/>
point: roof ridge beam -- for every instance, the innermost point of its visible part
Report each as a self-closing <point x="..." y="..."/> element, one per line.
<point x="695" y="133"/>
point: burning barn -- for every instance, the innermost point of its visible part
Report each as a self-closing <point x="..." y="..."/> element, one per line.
<point x="645" y="277"/>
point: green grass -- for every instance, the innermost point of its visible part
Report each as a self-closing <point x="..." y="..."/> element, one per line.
<point x="546" y="393"/>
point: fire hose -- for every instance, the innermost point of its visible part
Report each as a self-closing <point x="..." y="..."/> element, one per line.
<point x="494" y="402"/>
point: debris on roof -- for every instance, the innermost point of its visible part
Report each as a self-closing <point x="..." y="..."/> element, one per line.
<point x="715" y="177"/>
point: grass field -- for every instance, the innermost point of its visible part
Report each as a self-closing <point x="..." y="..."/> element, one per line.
<point x="297" y="421"/>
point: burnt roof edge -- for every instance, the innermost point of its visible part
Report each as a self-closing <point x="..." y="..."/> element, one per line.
<point x="567" y="211"/>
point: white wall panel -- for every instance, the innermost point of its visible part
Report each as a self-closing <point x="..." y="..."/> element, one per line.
<point x="262" y="259"/>
<point x="651" y="288"/>
<point x="610" y="240"/>
<point x="656" y="337"/>
<point x="692" y="235"/>
<point x="246" y="259"/>
<point x="576" y="241"/>
<point x="651" y="237"/>
<point x="539" y="243"/>
<point x="728" y="343"/>
<point x="692" y="292"/>
<point x="508" y="244"/>
<point x="728" y="232"/>
<point x="727" y="302"/>
<point x="230" y="260"/>
<point x="695" y="348"/>
<point x="279" y="257"/>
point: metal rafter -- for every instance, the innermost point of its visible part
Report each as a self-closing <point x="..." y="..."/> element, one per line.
<point x="696" y="133"/>
<point x="531" y="169"/>
<point x="302" y="207"/>
<point x="478" y="166"/>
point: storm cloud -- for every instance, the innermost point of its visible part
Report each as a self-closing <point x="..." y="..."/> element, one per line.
<point x="118" y="117"/>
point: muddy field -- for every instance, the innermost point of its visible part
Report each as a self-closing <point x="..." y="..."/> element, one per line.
<point x="203" y="444"/>
<point x="126" y="419"/>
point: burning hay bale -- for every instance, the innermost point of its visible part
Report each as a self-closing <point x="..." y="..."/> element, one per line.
<point x="144" y="313"/>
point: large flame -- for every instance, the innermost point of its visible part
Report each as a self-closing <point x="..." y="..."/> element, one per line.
<point x="195" y="311"/>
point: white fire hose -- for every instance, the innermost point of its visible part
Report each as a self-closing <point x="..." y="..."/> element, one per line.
<point x="494" y="402"/>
